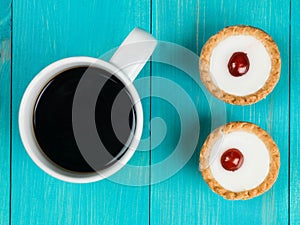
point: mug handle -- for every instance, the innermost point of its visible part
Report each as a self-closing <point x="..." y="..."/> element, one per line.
<point x="134" y="52"/>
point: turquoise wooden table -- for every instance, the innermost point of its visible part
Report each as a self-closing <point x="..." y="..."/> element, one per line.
<point x="35" y="33"/>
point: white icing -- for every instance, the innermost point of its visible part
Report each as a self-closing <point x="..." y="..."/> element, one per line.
<point x="254" y="169"/>
<point x="259" y="69"/>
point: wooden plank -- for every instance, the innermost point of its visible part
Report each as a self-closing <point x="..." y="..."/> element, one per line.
<point x="294" y="115"/>
<point x="185" y="198"/>
<point x="45" y="31"/>
<point x="5" y="79"/>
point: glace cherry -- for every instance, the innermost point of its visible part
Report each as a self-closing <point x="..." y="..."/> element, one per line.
<point x="238" y="64"/>
<point x="232" y="159"/>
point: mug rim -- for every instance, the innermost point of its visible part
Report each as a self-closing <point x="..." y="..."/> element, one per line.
<point x="26" y="110"/>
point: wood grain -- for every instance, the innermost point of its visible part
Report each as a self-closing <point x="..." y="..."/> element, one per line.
<point x="45" y="31"/>
<point x="5" y="77"/>
<point x="185" y="198"/>
<point x="294" y="115"/>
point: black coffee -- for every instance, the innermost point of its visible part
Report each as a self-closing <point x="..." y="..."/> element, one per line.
<point x="113" y="113"/>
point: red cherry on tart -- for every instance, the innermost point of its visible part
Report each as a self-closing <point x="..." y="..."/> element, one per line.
<point x="238" y="64"/>
<point x="232" y="159"/>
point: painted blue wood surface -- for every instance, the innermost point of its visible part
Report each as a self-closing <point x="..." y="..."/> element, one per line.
<point x="185" y="198"/>
<point x="45" y="31"/>
<point x="294" y="115"/>
<point x="5" y="76"/>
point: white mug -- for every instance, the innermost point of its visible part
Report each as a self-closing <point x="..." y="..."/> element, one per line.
<point x="125" y="64"/>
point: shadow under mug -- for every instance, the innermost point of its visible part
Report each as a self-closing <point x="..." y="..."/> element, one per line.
<point x="125" y="65"/>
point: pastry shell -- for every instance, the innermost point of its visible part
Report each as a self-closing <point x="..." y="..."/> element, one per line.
<point x="269" y="44"/>
<point x="273" y="153"/>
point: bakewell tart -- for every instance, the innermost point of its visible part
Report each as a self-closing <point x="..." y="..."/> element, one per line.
<point x="239" y="161"/>
<point x="240" y="65"/>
